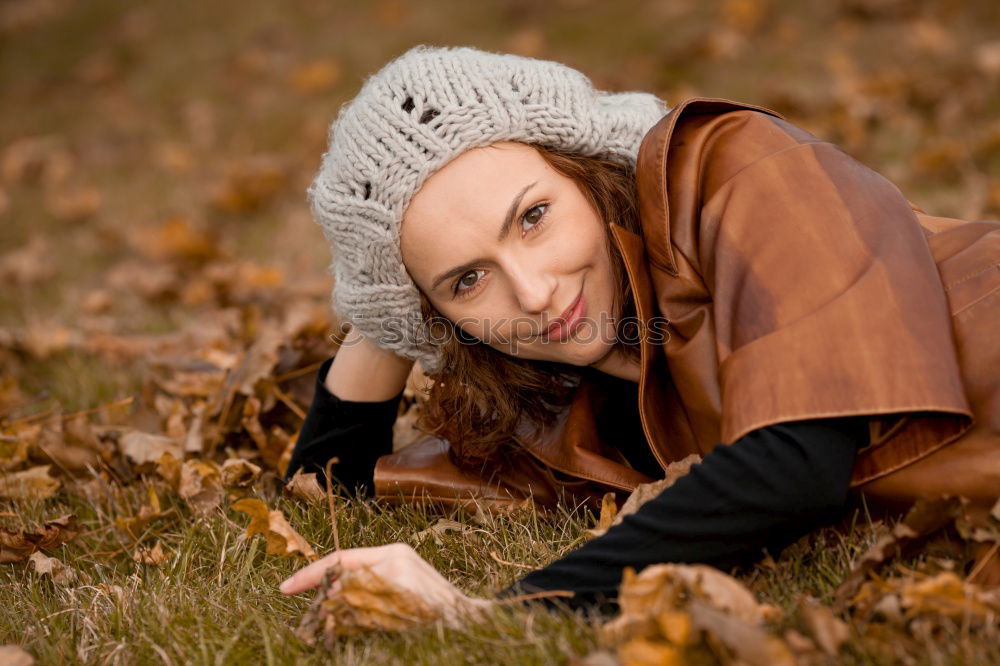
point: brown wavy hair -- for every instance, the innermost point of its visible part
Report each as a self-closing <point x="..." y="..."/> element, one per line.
<point x="482" y="395"/>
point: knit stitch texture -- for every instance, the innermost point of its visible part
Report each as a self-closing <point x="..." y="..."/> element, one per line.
<point x="417" y="113"/>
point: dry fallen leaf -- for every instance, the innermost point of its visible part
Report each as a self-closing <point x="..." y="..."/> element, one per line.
<point x="61" y="574"/>
<point x="145" y="449"/>
<point x="32" y="483"/>
<point x="667" y="608"/>
<point x="305" y="487"/>
<point x="239" y="473"/>
<point x="136" y="525"/>
<point x="250" y="185"/>
<point x="749" y="642"/>
<point x="281" y="539"/>
<point x="28" y="264"/>
<point x="923" y="520"/>
<point x="829" y="632"/>
<point x="647" y="491"/>
<point x="168" y="467"/>
<point x="14" y="449"/>
<point x="315" y="77"/>
<point x="363" y="602"/>
<point x="609" y="510"/>
<point x="435" y="531"/>
<point x="200" y="485"/>
<point x="18" y="545"/>
<point x="153" y="556"/>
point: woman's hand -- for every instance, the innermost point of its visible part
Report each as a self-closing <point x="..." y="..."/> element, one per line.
<point x="400" y="565"/>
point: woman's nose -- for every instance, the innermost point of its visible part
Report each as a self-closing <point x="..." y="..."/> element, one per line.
<point x="533" y="288"/>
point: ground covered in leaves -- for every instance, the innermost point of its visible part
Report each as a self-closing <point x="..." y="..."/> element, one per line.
<point x="164" y="306"/>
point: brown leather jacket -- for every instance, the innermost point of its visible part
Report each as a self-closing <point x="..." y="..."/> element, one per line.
<point x="798" y="284"/>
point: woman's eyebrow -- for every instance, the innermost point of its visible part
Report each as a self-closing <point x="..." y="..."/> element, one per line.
<point x="504" y="230"/>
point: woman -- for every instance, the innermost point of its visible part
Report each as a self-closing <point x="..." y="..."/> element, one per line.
<point x="599" y="288"/>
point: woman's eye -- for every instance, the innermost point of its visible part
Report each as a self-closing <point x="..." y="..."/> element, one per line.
<point x="465" y="284"/>
<point x="534" y="215"/>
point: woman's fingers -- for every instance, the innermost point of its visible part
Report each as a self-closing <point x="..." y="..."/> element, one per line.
<point x="311" y="575"/>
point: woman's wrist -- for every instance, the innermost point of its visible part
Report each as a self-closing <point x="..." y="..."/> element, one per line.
<point x="363" y="372"/>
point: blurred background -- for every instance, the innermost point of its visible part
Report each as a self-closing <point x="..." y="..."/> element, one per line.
<point x="154" y="156"/>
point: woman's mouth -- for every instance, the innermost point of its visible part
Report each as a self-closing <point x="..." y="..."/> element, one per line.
<point x="569" y="320"/>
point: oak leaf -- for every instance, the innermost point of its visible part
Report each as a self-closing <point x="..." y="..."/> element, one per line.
<point x="281" y="539"/>
<point x="239" y="473"/>
<point x="145" y="449"/>
<point x="31" y="483"/>
<point x="645" y="492"/>
<point x="200" y="485"/>
<point x="305" y="487"/>
<point x="54" y="568"/>
<point x="18" y="545"/>
<point x="153" y="556"/>
<point x="361" y="601"/>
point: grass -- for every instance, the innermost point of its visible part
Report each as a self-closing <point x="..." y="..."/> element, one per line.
<point x="216" y="600"/>
<point x="904" y="87"/>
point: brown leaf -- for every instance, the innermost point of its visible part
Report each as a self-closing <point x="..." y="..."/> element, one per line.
<point x="176" y="239"/>
<point x="61" y="574"/>
<point x="28" y="264"/>
<point x="153" y="556"/>
<point x="74" y="203"/>
<point x="239" y="473"/>
<point x="364" y="602"/>
<point x="168" y="468"/>
<point x="69" y="444"/>
<point x="441" y="527"/>
<point x="304" y="486"/>
<point x="145" y="449"/>
<point x="748" y="641"/>
<point x="200" y="485"/>
<point x="925" y="518"/>
<point x="645" y="652"/>
<point x="647" y="491"/>
<point x="135" y="526"/>
<point x="16" y="546"/>
<point x="404" y="430"/>
<point x="14" y="447"/>
<point x="315" y="77"/>
<point x="32" y="483"/>
<point x="281" y="539"/>
<point x="948" y="595"/>
<point x="658" y="607"/>
<point x="250" y="185"/>
<point x="827" y="630"/>
<point x="151" y="281"/>
<point x="609" y="510"/>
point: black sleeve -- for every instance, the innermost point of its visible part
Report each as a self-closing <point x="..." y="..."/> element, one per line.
<point x="764" y="491"/>
<point x="356" y="432"/>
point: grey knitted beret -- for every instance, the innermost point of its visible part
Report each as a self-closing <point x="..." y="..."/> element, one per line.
<point x="416" y="114"/>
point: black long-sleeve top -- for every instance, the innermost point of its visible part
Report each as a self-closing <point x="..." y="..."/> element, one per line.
<point x="763" y="491"/>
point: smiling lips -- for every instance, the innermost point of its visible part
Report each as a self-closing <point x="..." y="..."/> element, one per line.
<point x="562" y="327"/>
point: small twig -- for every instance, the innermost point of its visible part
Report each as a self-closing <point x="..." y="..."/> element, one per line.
<point x="287" y="400"/>
<point x="536" y="595"/>
<point x="63" y="417"/>
<point x="984" y="561"/>
<point x="297" y="372"/>
<point x="329" y="497"/>
<point x="496" y="557"/>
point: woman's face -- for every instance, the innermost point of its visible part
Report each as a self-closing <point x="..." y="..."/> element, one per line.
<point x="502" y="245"/>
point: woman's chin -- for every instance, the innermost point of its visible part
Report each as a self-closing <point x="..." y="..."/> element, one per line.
<point x="570" y="352"/>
